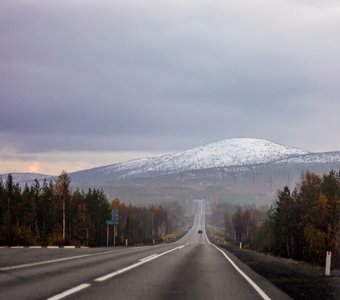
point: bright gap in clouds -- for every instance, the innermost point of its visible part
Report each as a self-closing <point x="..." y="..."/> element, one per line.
<point x="34" y="167"/>
<point x="108" y="81"/>
<point x="54" y="163"/>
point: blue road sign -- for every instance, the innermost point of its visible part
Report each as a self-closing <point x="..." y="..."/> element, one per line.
<point x="114" y="214"/>
<point x="110" y="222"/>
<point x="114" y="218"/>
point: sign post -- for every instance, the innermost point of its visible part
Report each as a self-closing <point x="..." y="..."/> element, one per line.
<point x="114" y="236"/>
<point x="114" y="221"/>
<point x="107" y="234"/>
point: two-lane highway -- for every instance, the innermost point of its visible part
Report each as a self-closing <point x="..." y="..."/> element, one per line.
<point x="190" y="268"/>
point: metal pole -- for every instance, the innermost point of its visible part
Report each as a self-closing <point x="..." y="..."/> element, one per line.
<point x="152" y="223"/>
<point x="152" y="231"/>
<point x="107" y="235"/>
<point x="64" y="218"/>
<point x="114" y="235"/>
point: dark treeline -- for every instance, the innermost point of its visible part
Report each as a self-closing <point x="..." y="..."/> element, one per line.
<point x="51" y="214"/>
<point x="302" y="224"/>
<point x="240" y="223"/>
<point x="142" y="225"/>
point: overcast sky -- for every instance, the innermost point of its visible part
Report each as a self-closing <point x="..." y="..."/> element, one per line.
<point x="86" y="83"/>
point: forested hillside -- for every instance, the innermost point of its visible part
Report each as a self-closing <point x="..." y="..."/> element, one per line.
<point x="301" y="224"/>
<point x="52" y="214"/>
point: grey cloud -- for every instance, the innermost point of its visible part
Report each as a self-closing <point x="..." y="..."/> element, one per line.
<point x="127" y="76"/>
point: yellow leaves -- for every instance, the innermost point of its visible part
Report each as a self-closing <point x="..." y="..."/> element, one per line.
<point x="323" y="201"/>
<point x="315" y="238"/>
<point x="115" y="203"/>
<point x="311" y="179"/>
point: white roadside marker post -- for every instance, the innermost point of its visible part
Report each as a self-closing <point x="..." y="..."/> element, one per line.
<point x="240" y="245"/>
<point x="328" y="263"/>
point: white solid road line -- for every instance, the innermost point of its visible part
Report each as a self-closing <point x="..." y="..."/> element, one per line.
<point x="135" y="265"/>
<point x="70" y="291"/>
<point x="245" y="276"/>
<point x="42" y="263"/>
<point x="61" y="259"/>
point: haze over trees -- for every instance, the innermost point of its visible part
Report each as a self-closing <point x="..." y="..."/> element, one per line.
<point x="52" y="214"/>
<point x="302" y="224"/>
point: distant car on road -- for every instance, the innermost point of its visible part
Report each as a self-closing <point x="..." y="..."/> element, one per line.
<point x="200" y="231"/>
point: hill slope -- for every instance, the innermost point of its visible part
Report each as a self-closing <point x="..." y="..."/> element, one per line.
<point x="233" y="170"/>
<point x="226" y="153"/>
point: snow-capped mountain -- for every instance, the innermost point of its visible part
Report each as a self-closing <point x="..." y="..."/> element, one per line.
<point x="312" y="158"/>
<point x="249" y="168"/>
<point x="226" y="153"/>
<point x="29" y="178"/>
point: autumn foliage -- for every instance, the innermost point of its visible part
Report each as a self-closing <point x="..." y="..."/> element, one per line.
<point x="52" y="214"/>
<point x="302" y="224"/>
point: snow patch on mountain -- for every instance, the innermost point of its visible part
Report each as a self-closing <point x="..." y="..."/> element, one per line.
<point x="226" y="153"/>
<point x="28" y="178"/>
<point x="313" y="158"/>
<point x="231" y="154"/>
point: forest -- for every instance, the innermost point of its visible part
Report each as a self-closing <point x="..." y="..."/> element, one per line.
<point x="302" y="224"/>
<point x="51" y="213"/>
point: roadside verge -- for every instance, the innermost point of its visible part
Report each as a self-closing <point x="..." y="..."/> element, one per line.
<point x="298" y="279"/>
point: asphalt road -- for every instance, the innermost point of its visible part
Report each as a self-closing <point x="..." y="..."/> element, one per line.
<point x="190" y="268"/>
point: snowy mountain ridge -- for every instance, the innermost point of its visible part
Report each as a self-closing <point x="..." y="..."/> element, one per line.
<point x="239" y="170"/>
<point x="225" y="153"/>
<point x="232" y="154"/>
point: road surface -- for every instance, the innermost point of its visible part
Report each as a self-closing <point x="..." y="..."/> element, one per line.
<point x="190" y="268"/>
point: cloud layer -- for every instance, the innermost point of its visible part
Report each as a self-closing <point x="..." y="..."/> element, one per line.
<point x="166" y="75"/>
